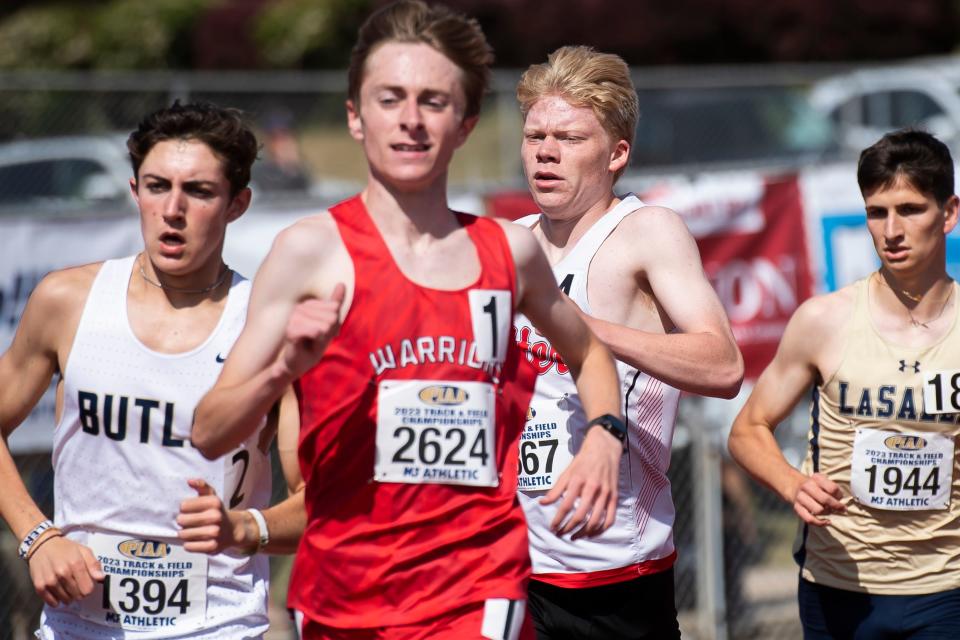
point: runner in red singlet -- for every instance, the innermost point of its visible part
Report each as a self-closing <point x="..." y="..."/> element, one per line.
<point x="394" y="317"/>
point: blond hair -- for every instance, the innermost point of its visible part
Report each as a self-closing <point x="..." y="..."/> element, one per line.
<point x="456" y="36"/>
<point x="586" y="78"/>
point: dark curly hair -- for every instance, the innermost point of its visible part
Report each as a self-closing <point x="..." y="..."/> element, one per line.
<point x="222" y="129"/>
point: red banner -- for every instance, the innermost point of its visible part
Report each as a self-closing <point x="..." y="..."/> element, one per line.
<point x="761" y="273"/>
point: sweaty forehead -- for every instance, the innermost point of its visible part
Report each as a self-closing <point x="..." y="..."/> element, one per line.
<point x="558" y="112"/>
<point x="184" y="158"/>
<point x="413" y="66"/>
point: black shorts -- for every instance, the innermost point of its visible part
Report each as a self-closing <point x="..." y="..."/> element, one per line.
<point x="642" y="608"/>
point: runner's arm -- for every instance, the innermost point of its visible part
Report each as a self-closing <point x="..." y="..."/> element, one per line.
<point x="286" y="331"/>
<point x="702" y="357"/>
<point x="286" y="520"/>
<point x="776" y="393"/>
<point x="208" y="527"/>
<point x="61" y="570"/>
<point x="591" y="478"/>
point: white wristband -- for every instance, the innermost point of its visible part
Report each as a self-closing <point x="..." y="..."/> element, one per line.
<point x="262" y="525"/>
<point x="32" y="537"/>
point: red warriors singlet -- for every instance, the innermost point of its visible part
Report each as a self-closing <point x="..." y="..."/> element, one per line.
<point x="408" y="443"/>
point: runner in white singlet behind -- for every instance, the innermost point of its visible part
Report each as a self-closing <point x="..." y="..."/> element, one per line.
<point x="135" y="343"/>
<point x="636" y="276"/>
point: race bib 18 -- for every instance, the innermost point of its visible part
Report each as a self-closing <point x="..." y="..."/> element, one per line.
<point x="436" y="432"/>
<point x="941" y="392"/>
<point x="902" y="472"/>
<point x="149" y="585"/>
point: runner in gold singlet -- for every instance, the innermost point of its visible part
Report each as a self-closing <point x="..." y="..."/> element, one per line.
<point x="879" y="492"/>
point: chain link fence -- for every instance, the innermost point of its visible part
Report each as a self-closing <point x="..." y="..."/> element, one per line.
<point x="742" y="583"/>
<point x="735" y="577"/>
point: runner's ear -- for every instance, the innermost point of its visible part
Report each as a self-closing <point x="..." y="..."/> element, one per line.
<point x="239" y="204"/>
<point x="465" y="128"/>
<point x="619" y="156"/>
<point x="354" y="122"/>
<point x="950" y="210"/>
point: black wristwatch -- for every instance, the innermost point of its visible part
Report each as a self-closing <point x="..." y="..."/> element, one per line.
<point x="612" y="425"/>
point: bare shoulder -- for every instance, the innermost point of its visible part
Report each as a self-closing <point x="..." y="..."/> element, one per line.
<point x="821" y="315"/>
<point x="64" y="291"/>
<point x="655" y="214"/>
<point x="656" y="229"/>
<point x="53" y="311"/>
<point x="308" y="258"/>
<point x="652" y="244"/>
<point x="308" y="239"/>
<point x="522" y="243"/>
<point x="812" y="335"/>
<point x="650" y="238"/>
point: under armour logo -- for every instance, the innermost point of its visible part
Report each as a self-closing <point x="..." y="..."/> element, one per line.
<point x="221" y="359"/>
<point x="915" y="366"/>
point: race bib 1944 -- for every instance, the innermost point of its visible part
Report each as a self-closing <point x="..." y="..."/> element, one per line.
<point x="902" y="471"/>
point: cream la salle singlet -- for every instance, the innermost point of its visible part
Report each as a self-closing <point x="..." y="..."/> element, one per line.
<point x="892" y="452"/>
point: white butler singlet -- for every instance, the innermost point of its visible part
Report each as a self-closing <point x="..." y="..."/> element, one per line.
<point x="640" y="541"/>
<point x="122" y="457"/>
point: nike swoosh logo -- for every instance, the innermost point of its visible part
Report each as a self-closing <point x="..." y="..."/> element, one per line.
<point x="220" y="358"/>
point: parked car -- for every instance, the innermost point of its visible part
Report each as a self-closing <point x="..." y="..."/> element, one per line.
<point x="698" y="128"/>
<point x="90" y="175"/>
<point x="864" y="105"/>
<point x="67" y="175"/>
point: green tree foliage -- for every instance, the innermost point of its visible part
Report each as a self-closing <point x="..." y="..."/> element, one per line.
<point x="47" y="36"/>
<point x="236" y="34"/>
<point x="288" y="29"/>
<point x="119" y="34"/>
<point x="133" y="34"/>
<point x="308" y="33"/>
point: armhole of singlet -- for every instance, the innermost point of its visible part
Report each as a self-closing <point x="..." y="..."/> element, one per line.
<point x="344" y="230"/>
<point x="507" y="254"/>
<point x="849" y="328"/>
<point x="105" y="277"/>
<point x="494" y="244"/>
<point x="599" y="242"/>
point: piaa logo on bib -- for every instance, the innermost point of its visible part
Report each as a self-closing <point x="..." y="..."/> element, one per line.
<point x="144" y="549"/>
<point x="905" y="443"/>
<point x="443" y="394"/>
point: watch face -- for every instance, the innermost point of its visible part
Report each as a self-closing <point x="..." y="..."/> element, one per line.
<point x="615" y="430"/>
<point x="613" y="425"/>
